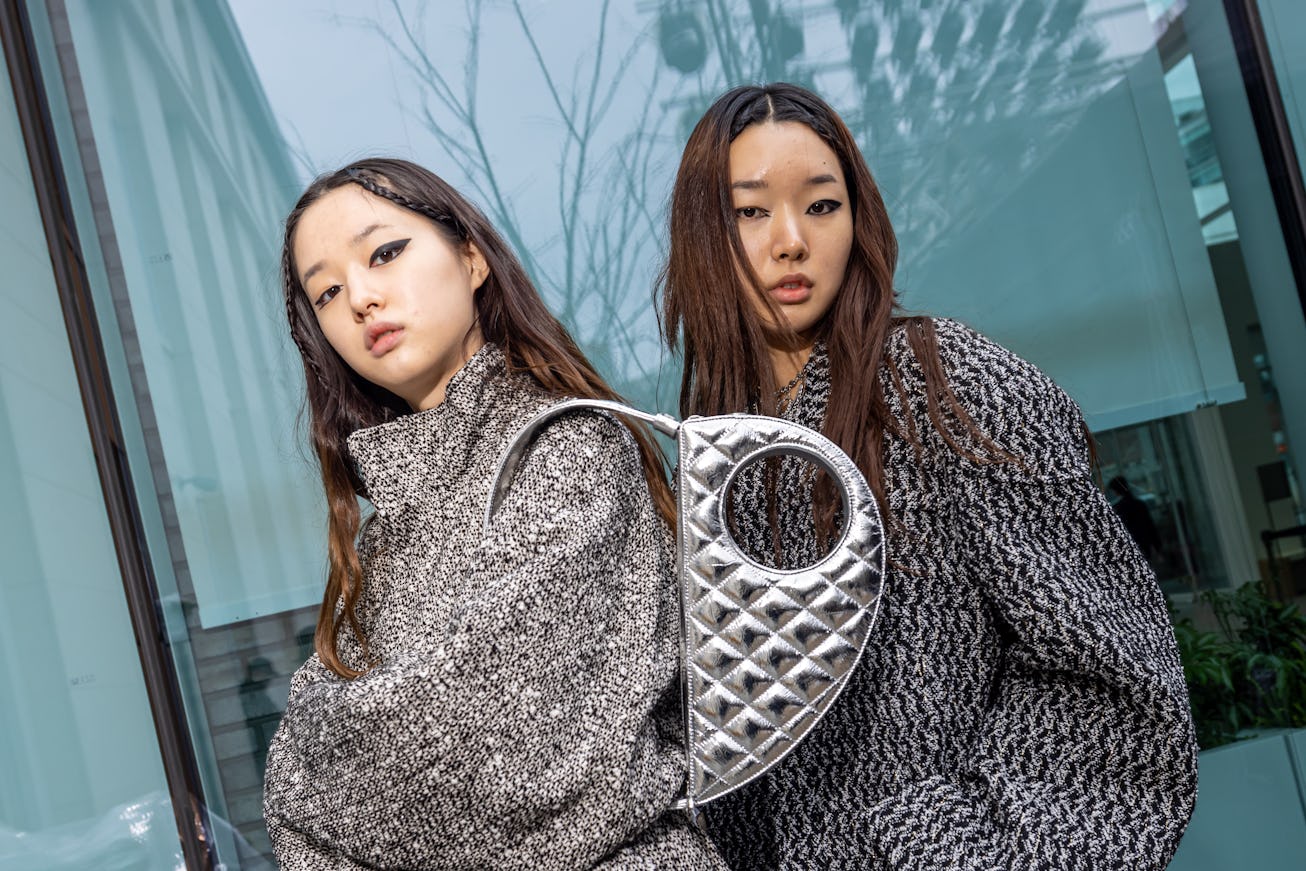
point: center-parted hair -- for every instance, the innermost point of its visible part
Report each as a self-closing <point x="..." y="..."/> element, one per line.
<point x="509" y="312"/>
<point x="709" y="310"/>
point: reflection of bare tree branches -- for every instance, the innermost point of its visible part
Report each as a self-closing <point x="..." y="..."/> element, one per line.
<point x="474" y="157"/>
<point x="960" y="70"/>
<point x="925" y="74"/>
<point x="607" y="228"/>
<point x="919" y="72"/>
<point x="299" y="152"/>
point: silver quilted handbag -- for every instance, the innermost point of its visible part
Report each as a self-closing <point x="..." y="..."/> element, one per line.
<point x="766" y="651"/>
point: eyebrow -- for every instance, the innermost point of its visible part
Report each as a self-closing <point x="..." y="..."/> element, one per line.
<point x="359" y="237"/>
<point x="759" y="184"/>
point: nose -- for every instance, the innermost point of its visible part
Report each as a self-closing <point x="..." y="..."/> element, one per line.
<point x="365" y="294"/>
<point x="788" y="242"/>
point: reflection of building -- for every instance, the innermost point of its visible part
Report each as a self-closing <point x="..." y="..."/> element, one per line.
<point x="1032" y="163"/>
<point x="1041" y="162"/>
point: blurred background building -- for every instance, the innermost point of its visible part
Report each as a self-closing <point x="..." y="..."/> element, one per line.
<point x="1112" y="188"/>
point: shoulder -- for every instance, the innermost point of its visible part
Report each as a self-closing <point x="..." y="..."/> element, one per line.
<point x="987" y="378"/>
<point x="571" y="454"/>
<point x="578" y="473"/>
<point x="1009" y="399"/>
<point x="584" y="437"/>
<point x="580" y="431"/>
<point x="535" y="425"/>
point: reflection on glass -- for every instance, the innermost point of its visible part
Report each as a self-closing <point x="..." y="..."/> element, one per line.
<point x="195" y="212"/>
<point x="1157" y="488"/>
<point x="1284" y="22"/>
<point x="1049" y="166"/>
<point x="82" y="782"/>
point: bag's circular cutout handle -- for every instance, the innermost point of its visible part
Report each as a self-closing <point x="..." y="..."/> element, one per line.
<point x="788" y="449"/>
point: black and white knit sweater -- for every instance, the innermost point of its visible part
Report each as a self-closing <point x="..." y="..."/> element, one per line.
<point x="1021" y="704"/>
<point x="517" y="718"/>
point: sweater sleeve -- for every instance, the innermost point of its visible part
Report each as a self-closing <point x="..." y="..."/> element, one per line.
<point x="526" y="738"/>
<point x="1086" y="757"/>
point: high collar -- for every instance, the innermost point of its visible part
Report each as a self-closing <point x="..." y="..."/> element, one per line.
<point x="418" y="454"/>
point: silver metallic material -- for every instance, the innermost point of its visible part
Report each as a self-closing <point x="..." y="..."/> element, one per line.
<point x="766" y="650"/>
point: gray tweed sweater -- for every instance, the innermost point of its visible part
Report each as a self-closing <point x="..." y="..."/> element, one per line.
<point x="521" y="714"/>
<point x="1021" y="704"/>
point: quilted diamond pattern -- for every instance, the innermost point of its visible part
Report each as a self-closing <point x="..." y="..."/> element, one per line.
<point x="767" y="651"/>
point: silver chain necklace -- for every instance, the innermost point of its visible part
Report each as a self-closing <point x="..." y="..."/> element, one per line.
<point x="786" y="396"/>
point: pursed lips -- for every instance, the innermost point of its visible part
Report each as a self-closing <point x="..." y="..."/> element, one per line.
<point x="380" y="335"/>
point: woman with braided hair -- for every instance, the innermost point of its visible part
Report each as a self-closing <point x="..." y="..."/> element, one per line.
<point x="1021" y="702"/>
<point x="500" y="696"/>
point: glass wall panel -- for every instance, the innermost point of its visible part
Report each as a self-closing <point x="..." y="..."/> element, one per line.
<point x="1267" y="328"/>
<point x="1029" y="161"/>
<point x="1077" y="178"/>
<point x="1041" y="195"/>
<point x="169" y="101"/>
<point x="82" y="784"/>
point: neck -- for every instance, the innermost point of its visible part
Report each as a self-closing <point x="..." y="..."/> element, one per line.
<point x="786" y="363"/>
<point x="430" y="399"/>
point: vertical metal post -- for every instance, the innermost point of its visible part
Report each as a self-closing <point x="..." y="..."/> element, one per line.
<point x="1266" y="103"/>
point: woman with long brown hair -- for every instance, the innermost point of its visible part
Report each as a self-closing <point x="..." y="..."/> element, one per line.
<point x="1021" y="703"/>
<point x="498" y="695"/>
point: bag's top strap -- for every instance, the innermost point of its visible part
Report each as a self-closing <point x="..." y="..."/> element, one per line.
<point x="517" y="447"/>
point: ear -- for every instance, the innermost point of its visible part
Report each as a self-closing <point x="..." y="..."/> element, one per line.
<point x="476" y="265"/>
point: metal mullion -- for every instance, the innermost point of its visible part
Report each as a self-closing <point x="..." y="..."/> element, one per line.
<point x="105" y="431"/>
<point x="1265" y="101"/>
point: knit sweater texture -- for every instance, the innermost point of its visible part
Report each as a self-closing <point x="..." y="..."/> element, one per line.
<point x="523" y="709"/>
<point x="1021" y="703"/>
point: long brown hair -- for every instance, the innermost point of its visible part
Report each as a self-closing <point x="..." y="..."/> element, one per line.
<point x="726" y="364"/>
<point x="509" y="313"/>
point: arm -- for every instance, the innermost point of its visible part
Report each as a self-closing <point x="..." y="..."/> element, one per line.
<point x="526" y="738"/>
<point x="1086" y="757"/>
<point x="294" y="852"/>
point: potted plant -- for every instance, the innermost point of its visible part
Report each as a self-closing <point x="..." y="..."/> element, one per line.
<point x="1247" y="683"/>
<point x="1250" y="672"/>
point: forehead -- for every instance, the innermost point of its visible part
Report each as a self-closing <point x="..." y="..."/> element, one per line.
<point x="339" y="216"/>
<point x="781" y="152"/>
